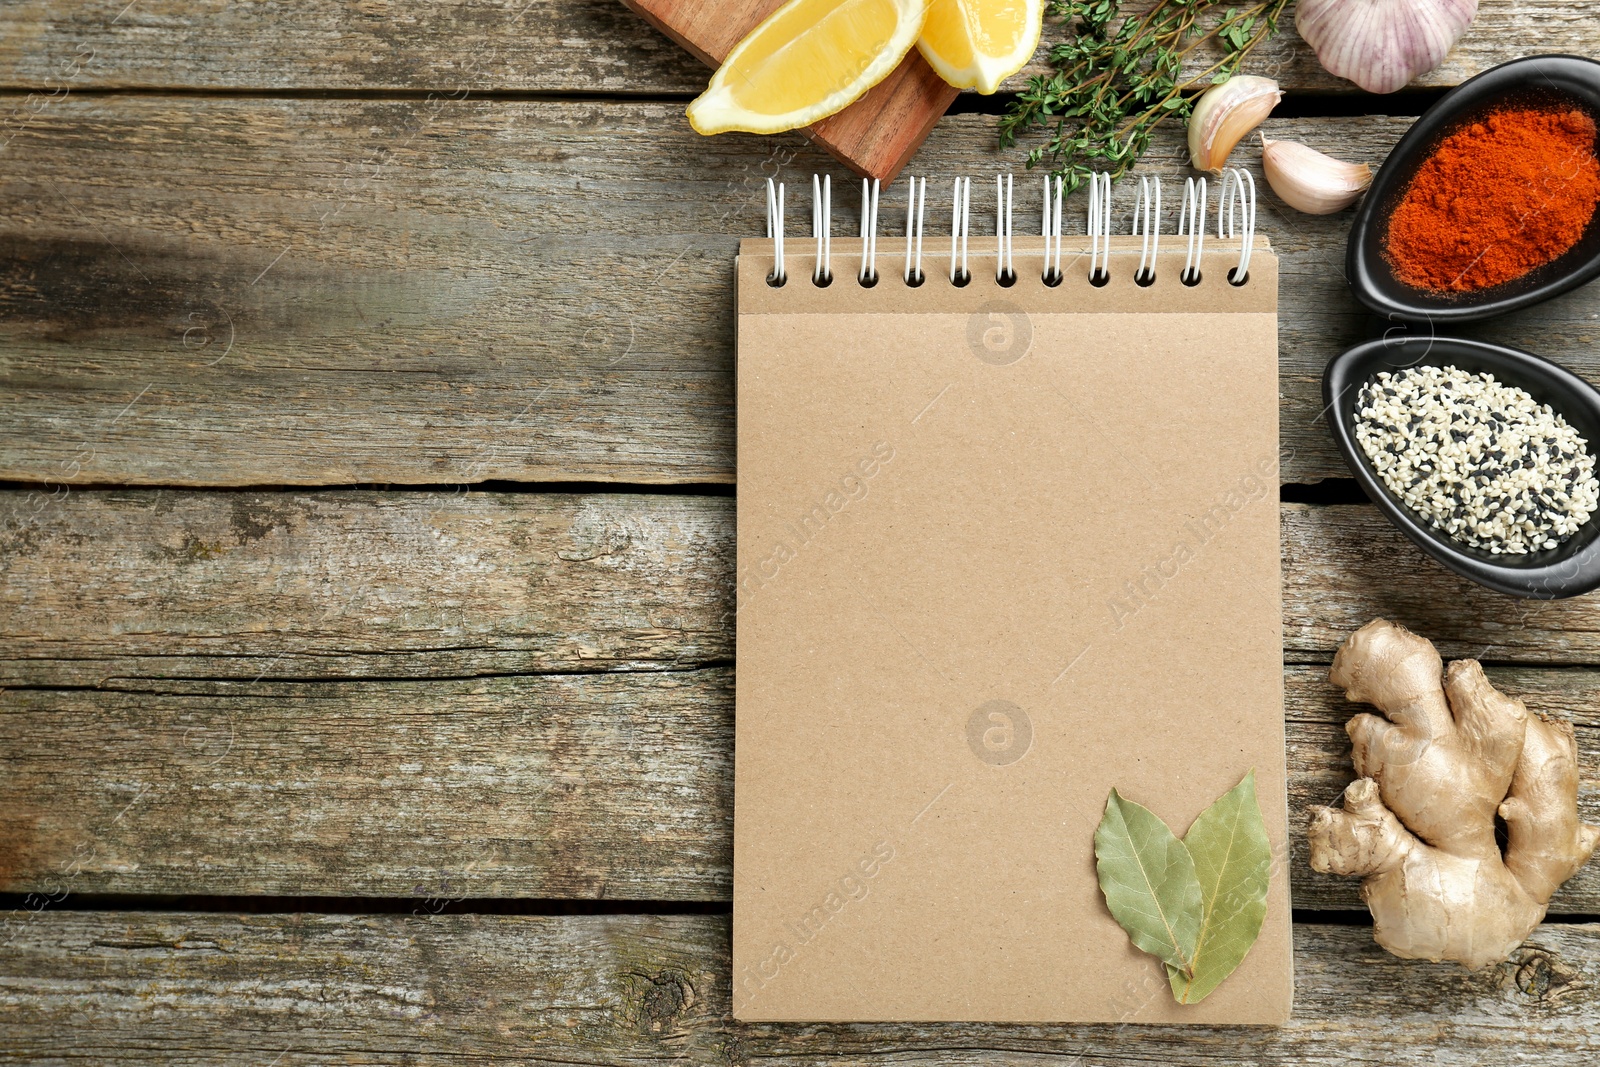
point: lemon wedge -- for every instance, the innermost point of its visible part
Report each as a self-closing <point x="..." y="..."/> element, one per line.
<point x="808" y="60"/>
<point x="977" y="44"/>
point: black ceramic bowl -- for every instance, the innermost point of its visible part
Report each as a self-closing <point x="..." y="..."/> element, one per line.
<point x="1536" y="81"/>
<point x="1569" y="570"/>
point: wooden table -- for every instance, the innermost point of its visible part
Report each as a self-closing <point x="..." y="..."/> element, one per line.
<point x="367" y="545"/>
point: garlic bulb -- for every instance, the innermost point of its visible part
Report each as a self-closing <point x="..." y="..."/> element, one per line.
<point x="1309" y="181"/>
<point x="1382" y="44"/>
<point x="1224" y="114"/>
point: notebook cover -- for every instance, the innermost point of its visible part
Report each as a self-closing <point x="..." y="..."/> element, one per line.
<point x="1000" y="550"/>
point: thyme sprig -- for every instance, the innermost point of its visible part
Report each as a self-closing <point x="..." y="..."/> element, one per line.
<point x="1112" y="87"/>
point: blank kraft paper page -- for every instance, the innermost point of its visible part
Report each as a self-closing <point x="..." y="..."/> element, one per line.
<point x="1000" y="550"/>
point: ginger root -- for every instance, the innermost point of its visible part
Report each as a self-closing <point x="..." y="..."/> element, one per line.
<point x="1418" y="826"/>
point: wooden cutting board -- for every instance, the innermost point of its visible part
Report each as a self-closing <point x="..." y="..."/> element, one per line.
<point x="874" y="136"/>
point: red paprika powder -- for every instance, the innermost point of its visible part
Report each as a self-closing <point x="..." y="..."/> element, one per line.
<point x="1496" y="200"/>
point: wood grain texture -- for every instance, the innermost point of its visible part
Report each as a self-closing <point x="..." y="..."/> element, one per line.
<point x="542" y="705"/>
<point x="120" y="587"/>
<point x="549" y="45"/>
<point x="198" y="291"/>
<point x="606" y="786"/>
<point x="432" y="696"/>
<point x="299" y="989"/>
<point x="873" y="136"/>
<point x="1344" y="566"/>
<point x="102" y="586"/>
<point x="596" y="786"/>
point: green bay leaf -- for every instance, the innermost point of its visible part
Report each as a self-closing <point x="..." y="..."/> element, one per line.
<point x="1149" y="881"/>
<point x="1233" y="864"/>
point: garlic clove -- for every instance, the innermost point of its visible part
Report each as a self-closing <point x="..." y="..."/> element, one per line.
<point x="1308" y="180"/>
<point x="1224" y="114"/>
<point x="1382" y="44"/>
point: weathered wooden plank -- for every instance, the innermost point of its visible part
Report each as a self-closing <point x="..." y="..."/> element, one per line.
<point x="591" y="786"/>
<point x="96" y="586"/>
<point x="220" y="989"/>
<point x="115" y="587"/>
<point x="152" y="594"/>
<point x="449" y="45"/>
<point x="549" y="45"/>
<point x="1343" y="566"/>
<point x="596" y="786"/>
<point x="197" y="291"/>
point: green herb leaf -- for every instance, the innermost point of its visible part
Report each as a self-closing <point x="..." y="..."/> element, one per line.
<point x="1114" y="84"/>
<point x="1149" y="882"/>
<point x="1233" y="863"/>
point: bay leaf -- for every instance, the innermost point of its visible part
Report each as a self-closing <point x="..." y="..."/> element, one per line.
<point x="1233" y="864"/>
<point x="1149" y="881"/>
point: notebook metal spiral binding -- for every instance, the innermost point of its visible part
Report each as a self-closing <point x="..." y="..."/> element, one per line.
<point x="1238" y="185"/>
<point x="1050" y="230"/>
<point x="1099" y="229"/>
<point x="960" y="223"/>
<point x="868" y="274"/>
<point x="1192" y="222"/>
<point x="1005" y="273"/>
<point x="822" y="228"/>
<point x="1147" y="227"/>
<point x="775" y="232"/>
<point x="1236" y="218"/>
<point x="916" y="203"/>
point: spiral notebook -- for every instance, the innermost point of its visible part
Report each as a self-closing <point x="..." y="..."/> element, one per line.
<point x="1002" y="546"/>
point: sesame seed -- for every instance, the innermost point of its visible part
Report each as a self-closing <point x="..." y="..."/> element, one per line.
<point x="1440" y="438"/>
